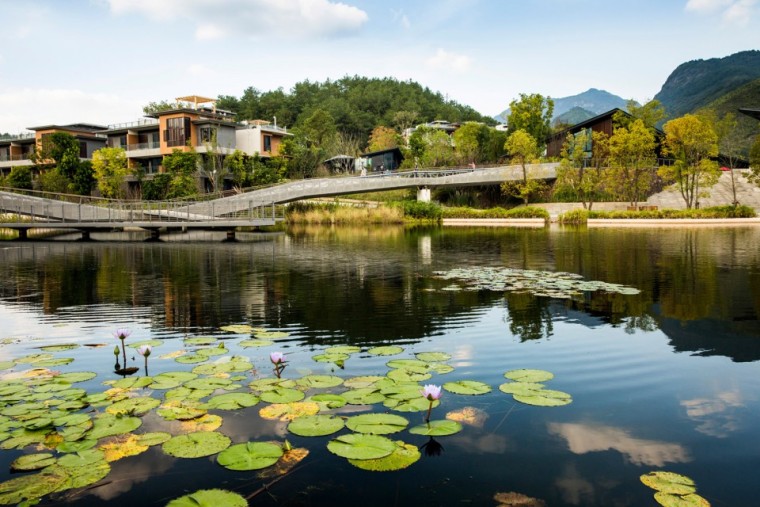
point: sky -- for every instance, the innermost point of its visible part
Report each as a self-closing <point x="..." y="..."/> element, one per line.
<point x="101" y="61"/>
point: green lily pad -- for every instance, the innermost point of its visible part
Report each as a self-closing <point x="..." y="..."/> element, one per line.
<point x="270" y="384"/>
<point x="133" y="406"/>
<point x="524" y="375"/>
<point x="184" y="393"/>
<point x="250" y="456"/>
<point x="107" y="425"/>
<point x="360" y="446"/>
<point x="318" y="381"/>
<point x="315" y="425"/>
<point x="377" y="424"/>
<point x="328" y="401"/>
<point x="224" y="365"/>
<point x="29" y="462"/>
<point x="208" y="383"/>
<point x="59" y="361"/>
<point x="361" y="382"/>
<point x="402" y="375"/>
<point x="343" y="349"/>
<point x="76" y="446"/>
<point x="59" y="348"/>
<point x="154" y="438"/>
<point x="385" y="350"/>
<point x="237" y="328"/>
<point x="282" y="395"/>
<point x="289" y="411"/>
<point x="4" y="365"/>
<point x="418" y="404"/>
<point x="231" y="401"/>
<point x="196" y="444"/>
<point x="525" y="388"/>
<point x="210" y="498"/>
<point x="191" y="359"/>
<point x="402" y="457"/>
<point x="330" y="358"/>
<point x="438" y="428"/>
<point x="467" y="387"/>
<point x="363" y="396"/>
<point x="669" y="482"/>
<point x="200" y="340"/>
<point x="31" y="487"/>
<point x="271" y="335"/>
<point x="150" y="343"/>
<point x="255" y="343"/>
<point x="544" y="398"/>
<point x="432" y="357"/>
<point x="76" y="376"/>
<point x="182" y="410"/>
<point x="33" y="358"/>
<point x="671" y="500"/>
<point x="133" y="382"/>
<point x="212" y="351"/>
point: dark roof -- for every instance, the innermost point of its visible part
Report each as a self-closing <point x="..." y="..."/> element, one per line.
<point x="89" y="128"/>
<point x="380" y="152"/>
<point x="592" y="121"/>
<point x="750" y="111"/>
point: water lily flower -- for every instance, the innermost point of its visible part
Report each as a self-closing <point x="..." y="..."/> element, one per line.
<point x="277" y="357"/>
<point x="122" y="333"/>
<point x="116" y="350"/>
<point x="144" y="350"/>
<point x="431" y="392"/>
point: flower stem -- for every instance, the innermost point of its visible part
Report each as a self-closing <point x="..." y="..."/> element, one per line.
<point x="430" y="407"/>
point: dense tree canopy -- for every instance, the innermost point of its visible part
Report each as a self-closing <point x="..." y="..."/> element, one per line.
<point x="533" y="114"/>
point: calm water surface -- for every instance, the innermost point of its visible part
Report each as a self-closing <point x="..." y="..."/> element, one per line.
<point x="665" y="379"/>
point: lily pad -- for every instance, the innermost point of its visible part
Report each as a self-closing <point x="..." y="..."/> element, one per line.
<point x="107" y="425"/>
<point x="237" y="328"/>
<point x="206" y="422"/>
<point x="343" y="349"/>
<point x="191" y="359"/>
<point x="270" y="335"/>
<point x="377" y="424"/>
<point x="183" y="410"/>
<point x="208" y="383"/>
<point x="199" y="340"/>
<point x="270" y="384"/>
<point x="360" y="446"/>
<point x="4" y="365"/>
<point x="255" y="343"/>
<point x="29" y="462"/>
<point x="524" y="375"/>
<point x="289" y="411"/>
<point x="59" y="348"/>
<point x="212" y="351"/>
<point x="467" y="387"/>
<point x="154" y="438"/>
<point x="330" y="358"/>
<point x="224" y="365"/>
<point x="282" y="395"/>
<point x="315" y="425"/>
<point x="196" y="445"/>
<point x="439" y="428"/>
<point x="77" y="446"/>
<point x="318" y="381"/>
<point x="402" y="457"/>
<point x="671" y="500"/>
<point x="526" y="388"/>
<point x="385" y="350"/>
<point x="76" y="376"/>
<point x="133" y="382"/>
<point x="121" y="447"/>
<point x="669" y="482"/>
<point x="544" y="398"/>
<point x="417" y="404"/>
<point x="328" y="401"/>
<point x="432" y="357"/>
<point x="231" y="401"/>
<point x="150" y="343"/>
<point x="403" y="375"/>
<point x="363" y="396"/>
<point x="133" y="406"/>
<point x="210" y="498"/>
<point x="361" y="382"/>
<point x="250" y="456"/>
<point x="31" y="487"/>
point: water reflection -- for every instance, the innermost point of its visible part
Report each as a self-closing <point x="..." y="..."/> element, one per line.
<point x="716" y="416"/>
<point x="585" y="438"/>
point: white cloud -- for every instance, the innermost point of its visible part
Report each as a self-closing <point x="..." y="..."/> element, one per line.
<point x="401" y="18"/>
<point x="732" y="12"/>
<point x="288" y="18"/>
<point x="198" y="69"/>
<point x="448" y="61"/>
<point x="29" y="107"/>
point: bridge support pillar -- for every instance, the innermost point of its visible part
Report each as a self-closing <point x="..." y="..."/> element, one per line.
<point x="154" y="234"/>
<point x="230" y="235"/>
<point x="85" y="236"/>
<point x="423" y="194"/>
<point x="22" y="235"/>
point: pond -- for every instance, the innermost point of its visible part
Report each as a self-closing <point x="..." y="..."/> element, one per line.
<point x="654" y="369"/>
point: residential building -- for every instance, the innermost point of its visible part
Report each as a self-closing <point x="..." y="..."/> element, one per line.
<point x="600" y="123"/>
<point x="17" y="150"/>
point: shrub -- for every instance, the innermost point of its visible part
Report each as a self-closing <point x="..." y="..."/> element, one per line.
<point x="421" y="210"/>
<point x="20" y="177"/>
<point x="521" y="212"/>
<point x="713" y="212"/>
<point x="574" y="217"/>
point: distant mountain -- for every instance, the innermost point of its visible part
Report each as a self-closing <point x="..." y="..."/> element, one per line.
<point x="575" y="115"/>
<point x="695" y="84"/>
<point x="744" y="96"/>
<point x="592" y="100"/>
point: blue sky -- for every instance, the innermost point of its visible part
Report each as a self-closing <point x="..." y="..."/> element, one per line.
<point x="100" y="61"/>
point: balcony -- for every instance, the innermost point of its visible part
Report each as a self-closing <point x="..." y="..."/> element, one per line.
<point x="150" y="149"/>
<point x="133" y="124"/>
<point x="14" y="160"/>
<point x="17" y="137"/>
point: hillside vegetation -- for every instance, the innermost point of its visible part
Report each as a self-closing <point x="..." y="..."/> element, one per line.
<point x="695" y="84"/>
<point x="744" y="96"/>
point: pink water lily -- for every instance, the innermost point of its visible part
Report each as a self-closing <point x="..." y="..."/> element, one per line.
<point x="122" y="333"/>
<point x="431" y="392"/>
<point x="144" y="350"/>
<point x="277" y="357"/>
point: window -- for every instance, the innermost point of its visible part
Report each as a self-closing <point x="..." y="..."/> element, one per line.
<point x="177" y="131"/>
<point x="82" y="149"/>
<point x="267" y="143"/>
<point x="207" y="134"/>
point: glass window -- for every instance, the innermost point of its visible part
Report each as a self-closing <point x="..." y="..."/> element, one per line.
<point x="267" y="143"/>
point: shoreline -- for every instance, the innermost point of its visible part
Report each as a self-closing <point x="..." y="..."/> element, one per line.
<point x="601" y="222"/>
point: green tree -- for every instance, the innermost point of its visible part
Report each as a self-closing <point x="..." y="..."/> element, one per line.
<point x="471" y="142"/>
<point x="692" y="141"/>
<point x="110" y="166"/>
<point x="533" y="114"/>
<point x="212" y="166"/>
<point x="51" y="180"/>
<point x="156" y="188"/>
<point x="303" y="158"/>
<point x="581" y="173"/>
<point x="404" y="120"/>
<point x="60" y="149"/>
<point x="632" y="162"/>
<point x="754" y="161"/>
<point x="382" y="138"/>
<point x="157" y="107"/>
<point x="20" y="177"/>
<point x="320" y="128"/>
<point x="182" y="166"/>
<point x="239" y="167"/>
<point x="651" y="114"/>
<point x="83" y="180"/>
<point x="523" y="149"/>
<point x="729" y="146"/>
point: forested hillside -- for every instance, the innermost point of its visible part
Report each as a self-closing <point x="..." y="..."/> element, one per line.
<point x="745" y="96"/>
<point x="357" y="104"/>
<point x="694" y="85"/>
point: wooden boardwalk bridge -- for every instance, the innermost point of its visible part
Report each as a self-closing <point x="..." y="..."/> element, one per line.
<point x="256" y="208"/>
